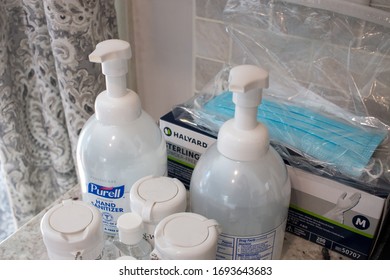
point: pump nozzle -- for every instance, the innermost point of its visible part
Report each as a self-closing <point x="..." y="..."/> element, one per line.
<point x="113" y="55"/>
<point x="244" y="78"/>
<point x="246" y="82"/>
<point x="244" y="138"/>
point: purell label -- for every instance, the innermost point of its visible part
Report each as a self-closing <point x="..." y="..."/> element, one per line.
<point x="106" y="192"/>
<point x="111" y="202"/>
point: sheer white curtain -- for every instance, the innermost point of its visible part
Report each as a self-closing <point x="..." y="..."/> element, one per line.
<point x="47" y="91"/>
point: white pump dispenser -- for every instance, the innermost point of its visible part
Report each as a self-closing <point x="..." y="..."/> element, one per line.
<point x="241" y="181"/>
<point x="116" y="104"/>
<point x="243" y="138"/>
<point x="120" y="143"/>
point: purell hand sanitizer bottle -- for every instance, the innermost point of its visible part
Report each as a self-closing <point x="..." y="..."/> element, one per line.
<point x="241" y="181"/>
<point x="120" y="143"/>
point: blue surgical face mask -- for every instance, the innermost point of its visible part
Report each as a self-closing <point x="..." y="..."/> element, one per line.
<point x="343" y="146"/>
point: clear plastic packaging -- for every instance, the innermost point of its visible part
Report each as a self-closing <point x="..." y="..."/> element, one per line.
<point x="328" y="79"/>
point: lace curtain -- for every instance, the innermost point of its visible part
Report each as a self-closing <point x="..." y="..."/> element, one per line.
<point x="47" y="92"/>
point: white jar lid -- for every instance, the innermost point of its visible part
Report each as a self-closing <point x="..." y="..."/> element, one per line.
<point x="156" y="197"/>
<point x="186" y="236"/>
<point x="73" y="229"/>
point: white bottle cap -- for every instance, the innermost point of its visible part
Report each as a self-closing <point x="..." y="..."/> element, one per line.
<point x="73" y="230"/>
<point x="130" y="228"/>
<point x="244" y="138"/>
<point x="186" y="236"/>
<point x="156" y="197"/>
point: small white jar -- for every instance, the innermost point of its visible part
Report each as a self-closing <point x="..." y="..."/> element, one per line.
<point x="72" y="230"/>
<point x="186" y="236"/>
<point x="156" y="197"/>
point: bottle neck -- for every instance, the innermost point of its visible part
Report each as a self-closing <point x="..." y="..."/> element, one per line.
<point x="245" y="118"/>
<point x="116" y="86"/>
<point x="117" y="110"/>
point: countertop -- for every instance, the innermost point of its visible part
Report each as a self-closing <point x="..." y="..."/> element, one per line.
<point x="27" y="244"/>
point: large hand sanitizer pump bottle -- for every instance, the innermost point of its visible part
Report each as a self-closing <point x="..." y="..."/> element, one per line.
<point x="120" y="143"/>
<point x="241" y="181"/>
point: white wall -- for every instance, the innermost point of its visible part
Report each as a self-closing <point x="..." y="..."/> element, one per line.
<point x="163" y="52"/>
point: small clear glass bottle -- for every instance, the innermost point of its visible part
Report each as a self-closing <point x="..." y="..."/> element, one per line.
<point x="130" y="241"/>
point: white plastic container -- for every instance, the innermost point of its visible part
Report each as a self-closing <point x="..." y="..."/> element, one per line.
<point x="186" y="236"/>
<point x="156" y="197"/>
<point x="241" y="181"/>
<point x="72" y="230"/>
<point x="130" y="240"/>
<point x="120" y="143"/>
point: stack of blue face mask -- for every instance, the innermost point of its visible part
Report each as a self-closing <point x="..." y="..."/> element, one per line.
<point x="342" y="146"/>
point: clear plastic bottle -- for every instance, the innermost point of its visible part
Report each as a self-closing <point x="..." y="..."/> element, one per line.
<point x="120" y="143"/>
<point x="130" y="240"/>
<point x="241" y="181"/>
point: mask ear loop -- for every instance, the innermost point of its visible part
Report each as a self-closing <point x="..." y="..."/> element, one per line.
<point x="370" y="167"/>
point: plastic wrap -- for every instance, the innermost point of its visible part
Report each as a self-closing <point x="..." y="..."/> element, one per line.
<point x="329" y="69"/>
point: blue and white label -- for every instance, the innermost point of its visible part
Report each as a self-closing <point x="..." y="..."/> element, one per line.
<point x="112" y="201"/>
<point x="106" y="192"/>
